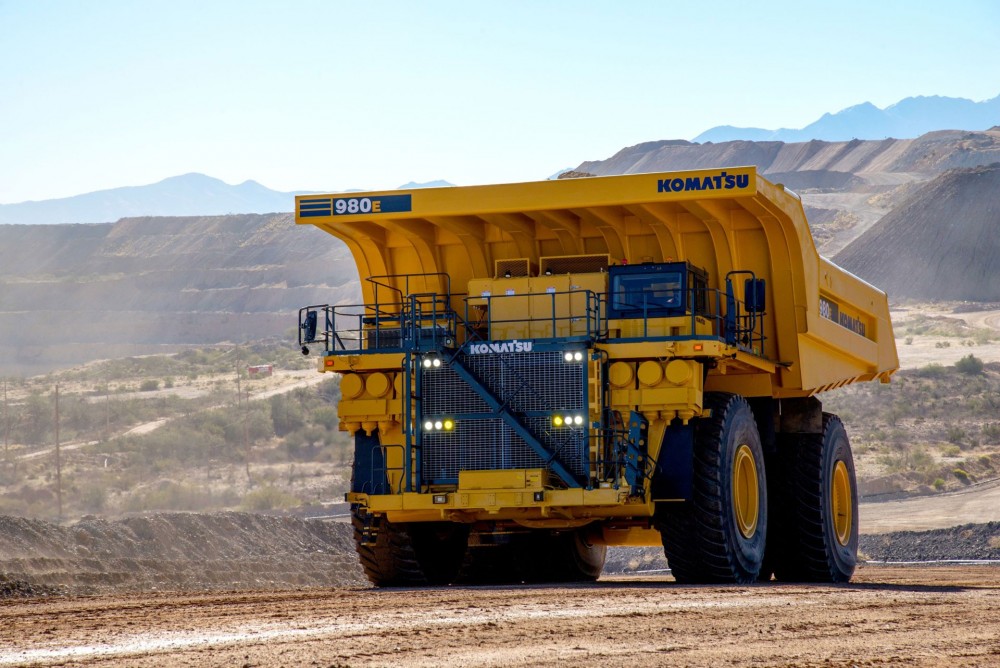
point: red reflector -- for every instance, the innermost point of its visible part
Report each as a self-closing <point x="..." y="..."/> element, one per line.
<point x="699" y="346"/>
<point x="329" y="362"/>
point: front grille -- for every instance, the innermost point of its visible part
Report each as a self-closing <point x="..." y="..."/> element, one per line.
<point x="534" y="385"/>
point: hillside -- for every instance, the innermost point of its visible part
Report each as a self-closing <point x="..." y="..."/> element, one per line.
<point x="940" y="243"/>
<point x="71" y="293"/>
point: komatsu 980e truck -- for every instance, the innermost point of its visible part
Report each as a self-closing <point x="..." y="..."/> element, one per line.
<point x="542" y="370"/>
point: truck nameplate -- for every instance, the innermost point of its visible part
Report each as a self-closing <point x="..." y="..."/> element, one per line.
<point x="831" y="310"/>
<point x="351" y="206"/>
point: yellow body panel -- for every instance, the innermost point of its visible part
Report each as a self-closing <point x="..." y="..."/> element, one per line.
<point x="720" y="220"/>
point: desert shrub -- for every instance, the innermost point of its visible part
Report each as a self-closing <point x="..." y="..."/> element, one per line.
<point x="93" y="497"/>
<point x="969" y="365"/>
<point x="149" y="385"/>
<point x="991" y="431"/>
<point x="961" y="475"/>
<point x="268" y="498"/>
<point x="909" y="340"/>
<point x="951" y="450"/>
<point x="939" y="483"/>
<point x="168" y="496"/>
<point x="930" y="371"/>
<point x="955" y="434"/>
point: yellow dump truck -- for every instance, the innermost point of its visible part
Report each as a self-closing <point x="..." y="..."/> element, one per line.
<point x="541" y="370"/>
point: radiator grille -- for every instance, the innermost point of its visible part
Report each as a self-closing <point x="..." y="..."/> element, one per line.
<point x="575" y="264"/>
<point x="529" y="383"/>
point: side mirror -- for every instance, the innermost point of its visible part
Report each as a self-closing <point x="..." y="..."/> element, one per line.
<point x="309" y="327"/>
<point x="754" y="299"/>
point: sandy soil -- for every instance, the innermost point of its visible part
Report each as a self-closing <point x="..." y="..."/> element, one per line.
<point x="926" y="349"/>
<point x="976" y="504"/>
<point x="929" y="616"/>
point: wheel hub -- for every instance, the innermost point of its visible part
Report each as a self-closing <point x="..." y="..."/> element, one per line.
<point x="746" y="493"/>
<point x="841" y="503"/>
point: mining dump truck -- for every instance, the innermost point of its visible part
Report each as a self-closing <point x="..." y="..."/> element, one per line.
<point x="542" y="370"/>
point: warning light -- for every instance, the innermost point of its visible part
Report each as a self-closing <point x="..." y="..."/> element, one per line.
<point x="699" y="346"/>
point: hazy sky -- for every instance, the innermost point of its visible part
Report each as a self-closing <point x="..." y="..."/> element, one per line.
<point x="334" y="95"/>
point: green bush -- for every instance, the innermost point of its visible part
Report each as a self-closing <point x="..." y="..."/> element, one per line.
<point x="930" y="371"/>
<point x="939" y="483"/>
<point x="268" y="498"/>
<point x="149" y="385"/>
<point x="955" y="434"/>
<point x="961" y="475"/>
<point x="969" y="365"/>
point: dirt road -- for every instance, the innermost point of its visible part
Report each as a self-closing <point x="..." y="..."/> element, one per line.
<point x="929" y="616"/>
<point x="975" y="504"/>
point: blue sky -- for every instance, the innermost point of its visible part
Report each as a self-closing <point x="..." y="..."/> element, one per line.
<point x="336" y="95"/>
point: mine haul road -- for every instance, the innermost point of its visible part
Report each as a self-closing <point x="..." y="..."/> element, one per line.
<point x="888" y="616"/>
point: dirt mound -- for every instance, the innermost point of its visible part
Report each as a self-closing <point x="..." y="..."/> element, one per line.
<point x="963" y="543"/>
<point x="929" y="154"/>
<point x="174" y="551"/>
<point x="142" y="283"/>
<point x="940" y="244"/>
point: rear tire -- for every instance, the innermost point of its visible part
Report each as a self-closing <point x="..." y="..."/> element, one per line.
<point x="719" y="535"/>
<point x="535" y="557"/>
<point x="820" y="534"/>
<point x="409" y="555"/>
<point x="574" y="558"/>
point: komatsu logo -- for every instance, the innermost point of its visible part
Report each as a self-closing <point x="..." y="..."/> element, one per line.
<point x="514" y="346"/>
<point x="723" y="181"/>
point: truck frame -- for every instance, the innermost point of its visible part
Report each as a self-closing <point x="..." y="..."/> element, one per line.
<point x="541" y="370"/>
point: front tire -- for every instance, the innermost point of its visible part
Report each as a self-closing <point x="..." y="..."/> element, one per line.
<point x="719" y="535"/>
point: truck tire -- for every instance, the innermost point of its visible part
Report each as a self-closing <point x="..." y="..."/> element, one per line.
<point x="502" y="563"/>
<point x="409" y="555"/>
<point x="820" y="534"/>
<point x="536" y="557"/>
<point x="568" y="556"/>
<point x="720" y="534"/>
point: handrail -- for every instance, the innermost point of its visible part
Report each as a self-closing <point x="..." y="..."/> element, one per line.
<point x="427" y="321"/>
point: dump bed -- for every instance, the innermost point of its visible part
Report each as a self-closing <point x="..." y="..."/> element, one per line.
<point x="825" y="327"/>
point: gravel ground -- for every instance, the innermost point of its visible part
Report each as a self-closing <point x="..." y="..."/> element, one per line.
<point x="240" y="551"/>
<point x="175" y="551"/>
<point x="969" y="542"/>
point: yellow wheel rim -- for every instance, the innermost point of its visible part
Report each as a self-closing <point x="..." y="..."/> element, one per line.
<point x="841" y="503"/>
<point x="746" y="494"/>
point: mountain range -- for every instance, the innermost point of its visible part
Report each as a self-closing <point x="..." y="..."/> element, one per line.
<point x="908" y="118"/>
<point x="186" y="195"/>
